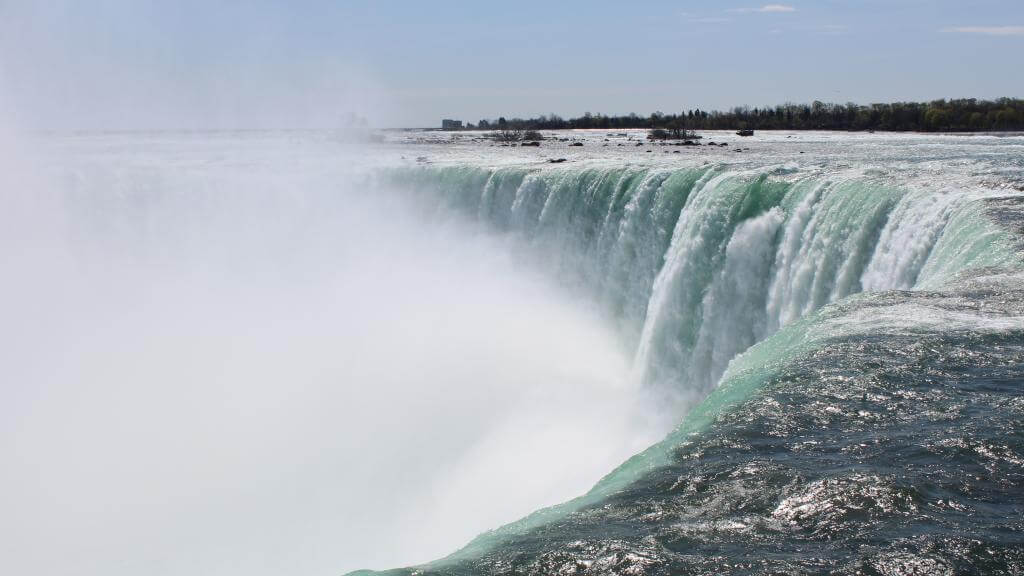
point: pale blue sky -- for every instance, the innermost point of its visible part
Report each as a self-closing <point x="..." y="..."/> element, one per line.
<point x="193" y="64"/>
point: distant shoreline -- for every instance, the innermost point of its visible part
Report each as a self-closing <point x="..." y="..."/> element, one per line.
<point x="938" y="116"/>
<point x="1019" y="132"/>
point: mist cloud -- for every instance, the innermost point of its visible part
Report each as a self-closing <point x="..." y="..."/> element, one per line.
<point x="232" y="354"/>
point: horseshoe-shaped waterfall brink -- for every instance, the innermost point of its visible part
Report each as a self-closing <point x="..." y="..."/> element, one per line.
<point x="798" y="321"/>
<point x="275" y="352"/>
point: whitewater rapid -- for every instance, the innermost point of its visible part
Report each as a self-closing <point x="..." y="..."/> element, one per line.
<point x="715" y="274"/>
<point x="698" y="264"/>
<point x="363" y="355"/>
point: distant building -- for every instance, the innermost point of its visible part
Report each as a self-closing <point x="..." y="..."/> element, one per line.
<point x="451" y="124"/>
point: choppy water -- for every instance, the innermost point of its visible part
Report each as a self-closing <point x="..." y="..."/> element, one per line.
<point x="877" y="450"/>
<point x="383" y="341"/>
<point x="842" y="334"/>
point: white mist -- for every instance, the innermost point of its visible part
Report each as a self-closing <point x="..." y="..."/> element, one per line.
<point x="218" y="357"/>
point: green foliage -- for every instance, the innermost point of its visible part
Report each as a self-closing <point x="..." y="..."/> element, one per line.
<point x="963" y="115"/>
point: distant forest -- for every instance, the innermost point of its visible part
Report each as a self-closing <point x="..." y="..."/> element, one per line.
<point x="965" y="115"/>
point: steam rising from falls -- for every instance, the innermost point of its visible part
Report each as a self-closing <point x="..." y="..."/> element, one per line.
<point x="235" y="353"/>
<point x="225" y="357"/>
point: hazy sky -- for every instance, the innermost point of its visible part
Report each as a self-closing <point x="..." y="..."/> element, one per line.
<point x="194" y="64"/>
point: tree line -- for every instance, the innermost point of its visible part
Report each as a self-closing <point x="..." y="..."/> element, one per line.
<point x="961" y="115"/>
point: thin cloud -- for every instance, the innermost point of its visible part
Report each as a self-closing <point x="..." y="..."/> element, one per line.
<point x="988" y="30"/>
<point x="694" y="18"/>
<point x="710" y="20"/>
<point x="833" y="29"/>
<point x="776" y="8"/>
<point x="767" y="8"/>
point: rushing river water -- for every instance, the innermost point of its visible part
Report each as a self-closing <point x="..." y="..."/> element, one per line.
<point x="794" y="353"/>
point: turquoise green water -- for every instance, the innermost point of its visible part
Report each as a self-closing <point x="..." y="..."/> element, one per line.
<point x="723" y="280"/>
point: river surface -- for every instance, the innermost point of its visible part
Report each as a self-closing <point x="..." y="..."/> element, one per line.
<point x="796" y="352"/>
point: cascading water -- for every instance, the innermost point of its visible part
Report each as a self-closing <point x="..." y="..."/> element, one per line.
<point x="413" y="354"/>
<point x="699" y="266"/>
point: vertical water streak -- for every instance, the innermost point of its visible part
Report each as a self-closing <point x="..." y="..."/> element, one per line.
<point x="696" y="265"/>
